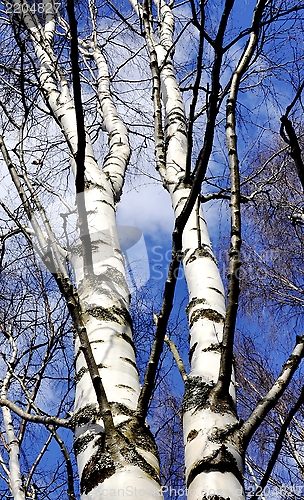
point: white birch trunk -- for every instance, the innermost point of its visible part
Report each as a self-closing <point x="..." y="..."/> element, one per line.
<point x="15" y="481"/>
<point x="213" y="463"/>
<point x="104" y="299"/>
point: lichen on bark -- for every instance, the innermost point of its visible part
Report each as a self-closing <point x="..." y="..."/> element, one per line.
<point x="221" y="460"/>
<point x="194" y="302"/>
<point x="100" y="467"/>
<point x="85" y="415"/>
<point x="210" y="314"/>
<point x="196" y="395"/>
<point x="205" y="252"/>
<point x="192" y="435"/>
<point x="139" y="435"/>
<point x="114" y="314"/>
<point x="81" y="443"/>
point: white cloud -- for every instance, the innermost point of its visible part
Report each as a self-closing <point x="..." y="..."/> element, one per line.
<point x="147" y="207"/>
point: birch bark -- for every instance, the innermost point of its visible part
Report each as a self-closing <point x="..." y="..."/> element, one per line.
<point x="15" y="481"/>
<point x="117" y="455"/>
<point x="127" y="460"/>
<point x="213" y="463"/>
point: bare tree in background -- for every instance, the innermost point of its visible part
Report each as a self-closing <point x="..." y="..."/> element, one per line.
<point x="76" y="86"/>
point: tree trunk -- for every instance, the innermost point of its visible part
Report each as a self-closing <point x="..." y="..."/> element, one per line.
<point x="214" y="463"/>
<point x="122" y="458"/>
<point x="132" y="462"/>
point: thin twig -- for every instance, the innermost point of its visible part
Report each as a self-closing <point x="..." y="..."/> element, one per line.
<point x="269" y="401"/>
<point x="177" y="358"/>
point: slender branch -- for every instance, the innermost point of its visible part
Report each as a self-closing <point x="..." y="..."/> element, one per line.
<point x="296" y="98"/>
<point x="48" y="188"/>
<point x="13" y="445"/>
<point x="46" y="242"/>
<point x="9" y="116"/>
<point x="68" y="463"/>
<point x="177" y="358"/>
<point x="81" y="144"/>
<point x="204" y="155"/>
<point x="295" y="453"/>
<point x="252" y="473"/>
<point x="50" y="342"/>
<point x="161" y="329"/>
<point x="37" y="461"/>
<point x="156" y="95"/>
<point x="39" y="419"/>
<point x="292" y="140"/>
<point x="124" y="19"/>
<point x="226" y="363"/>
<point x="48" y="259"/>
<point x="196" y="22"/>
<point x="195" y="94"/>
<point x="53" y="433"/>
<point x="269" y="401"/>
<point x="51" y="237"/>
<point x="246" y="31"/>
<point x="279" y="443"/>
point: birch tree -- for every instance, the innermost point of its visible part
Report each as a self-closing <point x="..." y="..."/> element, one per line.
<point x="76" y="82"/>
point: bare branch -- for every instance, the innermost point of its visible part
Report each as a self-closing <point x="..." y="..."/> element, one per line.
<point x="40" y="419"/>
<point x="226" y="365"/>
<point x="293" y="142"/>
<point x="279" y="443"/>
<point x="177" y="358"/>
<point x="268" y="402"/>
